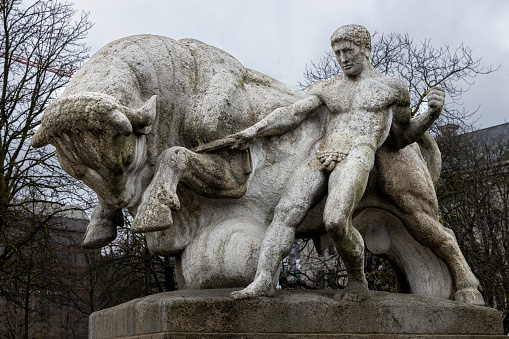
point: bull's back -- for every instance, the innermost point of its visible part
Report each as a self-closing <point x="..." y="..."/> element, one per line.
<point x="203" y="93"/>
<point x="135" y="68"/>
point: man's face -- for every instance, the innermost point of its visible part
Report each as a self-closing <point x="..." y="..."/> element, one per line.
<point x="350" y="57"/>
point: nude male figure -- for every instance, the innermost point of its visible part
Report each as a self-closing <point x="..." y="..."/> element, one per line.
<point x="364" y="105"/>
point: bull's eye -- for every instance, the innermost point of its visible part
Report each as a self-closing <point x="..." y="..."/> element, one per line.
<point x="80" y="171"/>
<point x="75" y="170"/>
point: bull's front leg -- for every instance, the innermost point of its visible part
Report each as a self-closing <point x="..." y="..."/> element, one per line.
<point x="102" y="228"/>
<point x="160" y="197"/>
<point x="223" y="174"/>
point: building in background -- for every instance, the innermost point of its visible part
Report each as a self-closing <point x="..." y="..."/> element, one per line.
<point x="35" y="294"/>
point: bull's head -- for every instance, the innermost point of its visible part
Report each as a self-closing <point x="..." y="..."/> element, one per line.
<point x="96" y="140"/>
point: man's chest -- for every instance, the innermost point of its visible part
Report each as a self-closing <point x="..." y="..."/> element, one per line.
<point x="347" y="96"/>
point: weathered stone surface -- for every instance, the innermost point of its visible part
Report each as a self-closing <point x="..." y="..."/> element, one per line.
<point x="152" y="124"/>
<point x="293" y="314"/>
<point x="145" y="99"/>
<point x="131" y="119"/>
<point x="368" y="132"/>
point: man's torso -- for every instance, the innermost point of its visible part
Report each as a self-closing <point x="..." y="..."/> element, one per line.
<point x="359" y="108"/>
<point x="359" y="112"/>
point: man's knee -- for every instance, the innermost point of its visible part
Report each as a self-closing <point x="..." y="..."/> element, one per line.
<point x="335" y="223"/>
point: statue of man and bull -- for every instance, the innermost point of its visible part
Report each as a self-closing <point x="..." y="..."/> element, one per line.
<point x="152" y="125"/>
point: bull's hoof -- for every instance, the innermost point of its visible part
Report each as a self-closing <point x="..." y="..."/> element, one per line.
<point x="99" y="234"/>
<point x="469" y="296"/>
<point x="151" y="218"/>
<point x="354" y="291"/>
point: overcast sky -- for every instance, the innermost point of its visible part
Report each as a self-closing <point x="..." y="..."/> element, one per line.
<point x="280" y="37"/>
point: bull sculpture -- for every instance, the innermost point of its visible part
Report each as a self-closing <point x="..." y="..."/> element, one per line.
<point x="138" y="108"/>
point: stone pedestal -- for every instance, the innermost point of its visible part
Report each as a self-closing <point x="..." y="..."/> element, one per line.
<point x="293" y="314"/>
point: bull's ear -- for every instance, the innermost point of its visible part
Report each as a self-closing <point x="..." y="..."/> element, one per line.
<point x="143" y="117"/>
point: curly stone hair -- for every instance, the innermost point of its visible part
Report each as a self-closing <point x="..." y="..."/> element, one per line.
<point x="94" y="112"/>
<point x="357" y="34"/>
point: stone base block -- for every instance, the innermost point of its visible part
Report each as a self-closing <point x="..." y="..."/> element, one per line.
<point x="293" y="314"/>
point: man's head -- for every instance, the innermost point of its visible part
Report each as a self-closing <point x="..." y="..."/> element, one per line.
<point x="357" y="34"/>
<point x="352" y="46"/>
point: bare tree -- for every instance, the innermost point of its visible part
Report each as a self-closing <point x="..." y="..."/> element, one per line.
<point x="474" y="202"/>
<point x="30" y="282"/>
<point x="120" y="272"/>
<point x="40" y="47"/>
<point x="125" y="270"/>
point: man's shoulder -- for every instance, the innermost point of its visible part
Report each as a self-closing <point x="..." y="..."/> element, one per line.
<point x="320" y="87"/>
<point x="316" y="88"/>
<point x="399" y="88"/>
<point x="402" y="95"/>
<point x="396" y="84"/>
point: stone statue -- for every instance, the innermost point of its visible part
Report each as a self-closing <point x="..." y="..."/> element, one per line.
<point x="152" y="125"/>
<point x="131" y="116"/>
<point x="364" y="107"/>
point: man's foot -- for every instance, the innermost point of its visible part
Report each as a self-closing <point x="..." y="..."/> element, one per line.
<point x="469" y="296"/>
<point x="155" y="214"/>
<point x="99" y="233"/>
<point x="258" y="288"/>
<point x="354" y="291"/>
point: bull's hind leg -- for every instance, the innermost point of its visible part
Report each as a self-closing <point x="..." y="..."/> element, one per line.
<point x="214" y="175"/>
<point x="404" y="179"/>
<point x="428" y="231"/>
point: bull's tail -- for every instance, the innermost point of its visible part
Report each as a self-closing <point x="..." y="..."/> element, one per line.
<point x="431" y="152"/>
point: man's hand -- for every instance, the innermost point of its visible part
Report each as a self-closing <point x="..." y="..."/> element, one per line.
<point x="244" y="138"/>
<point x="436" y="100"/>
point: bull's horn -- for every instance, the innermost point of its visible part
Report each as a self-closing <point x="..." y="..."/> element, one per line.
<point x="39" y="138"/>
<point x="42" y="135"/>
<point x="121" y="123"/>
<point x="143" y="117"/>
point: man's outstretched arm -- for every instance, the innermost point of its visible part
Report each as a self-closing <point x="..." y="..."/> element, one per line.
<point x="279" y="122"/>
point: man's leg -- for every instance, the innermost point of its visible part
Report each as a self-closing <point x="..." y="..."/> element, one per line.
<point x="347" y="184"/>
<point x="305" y="189"/>
<point x="428" y="231"/>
